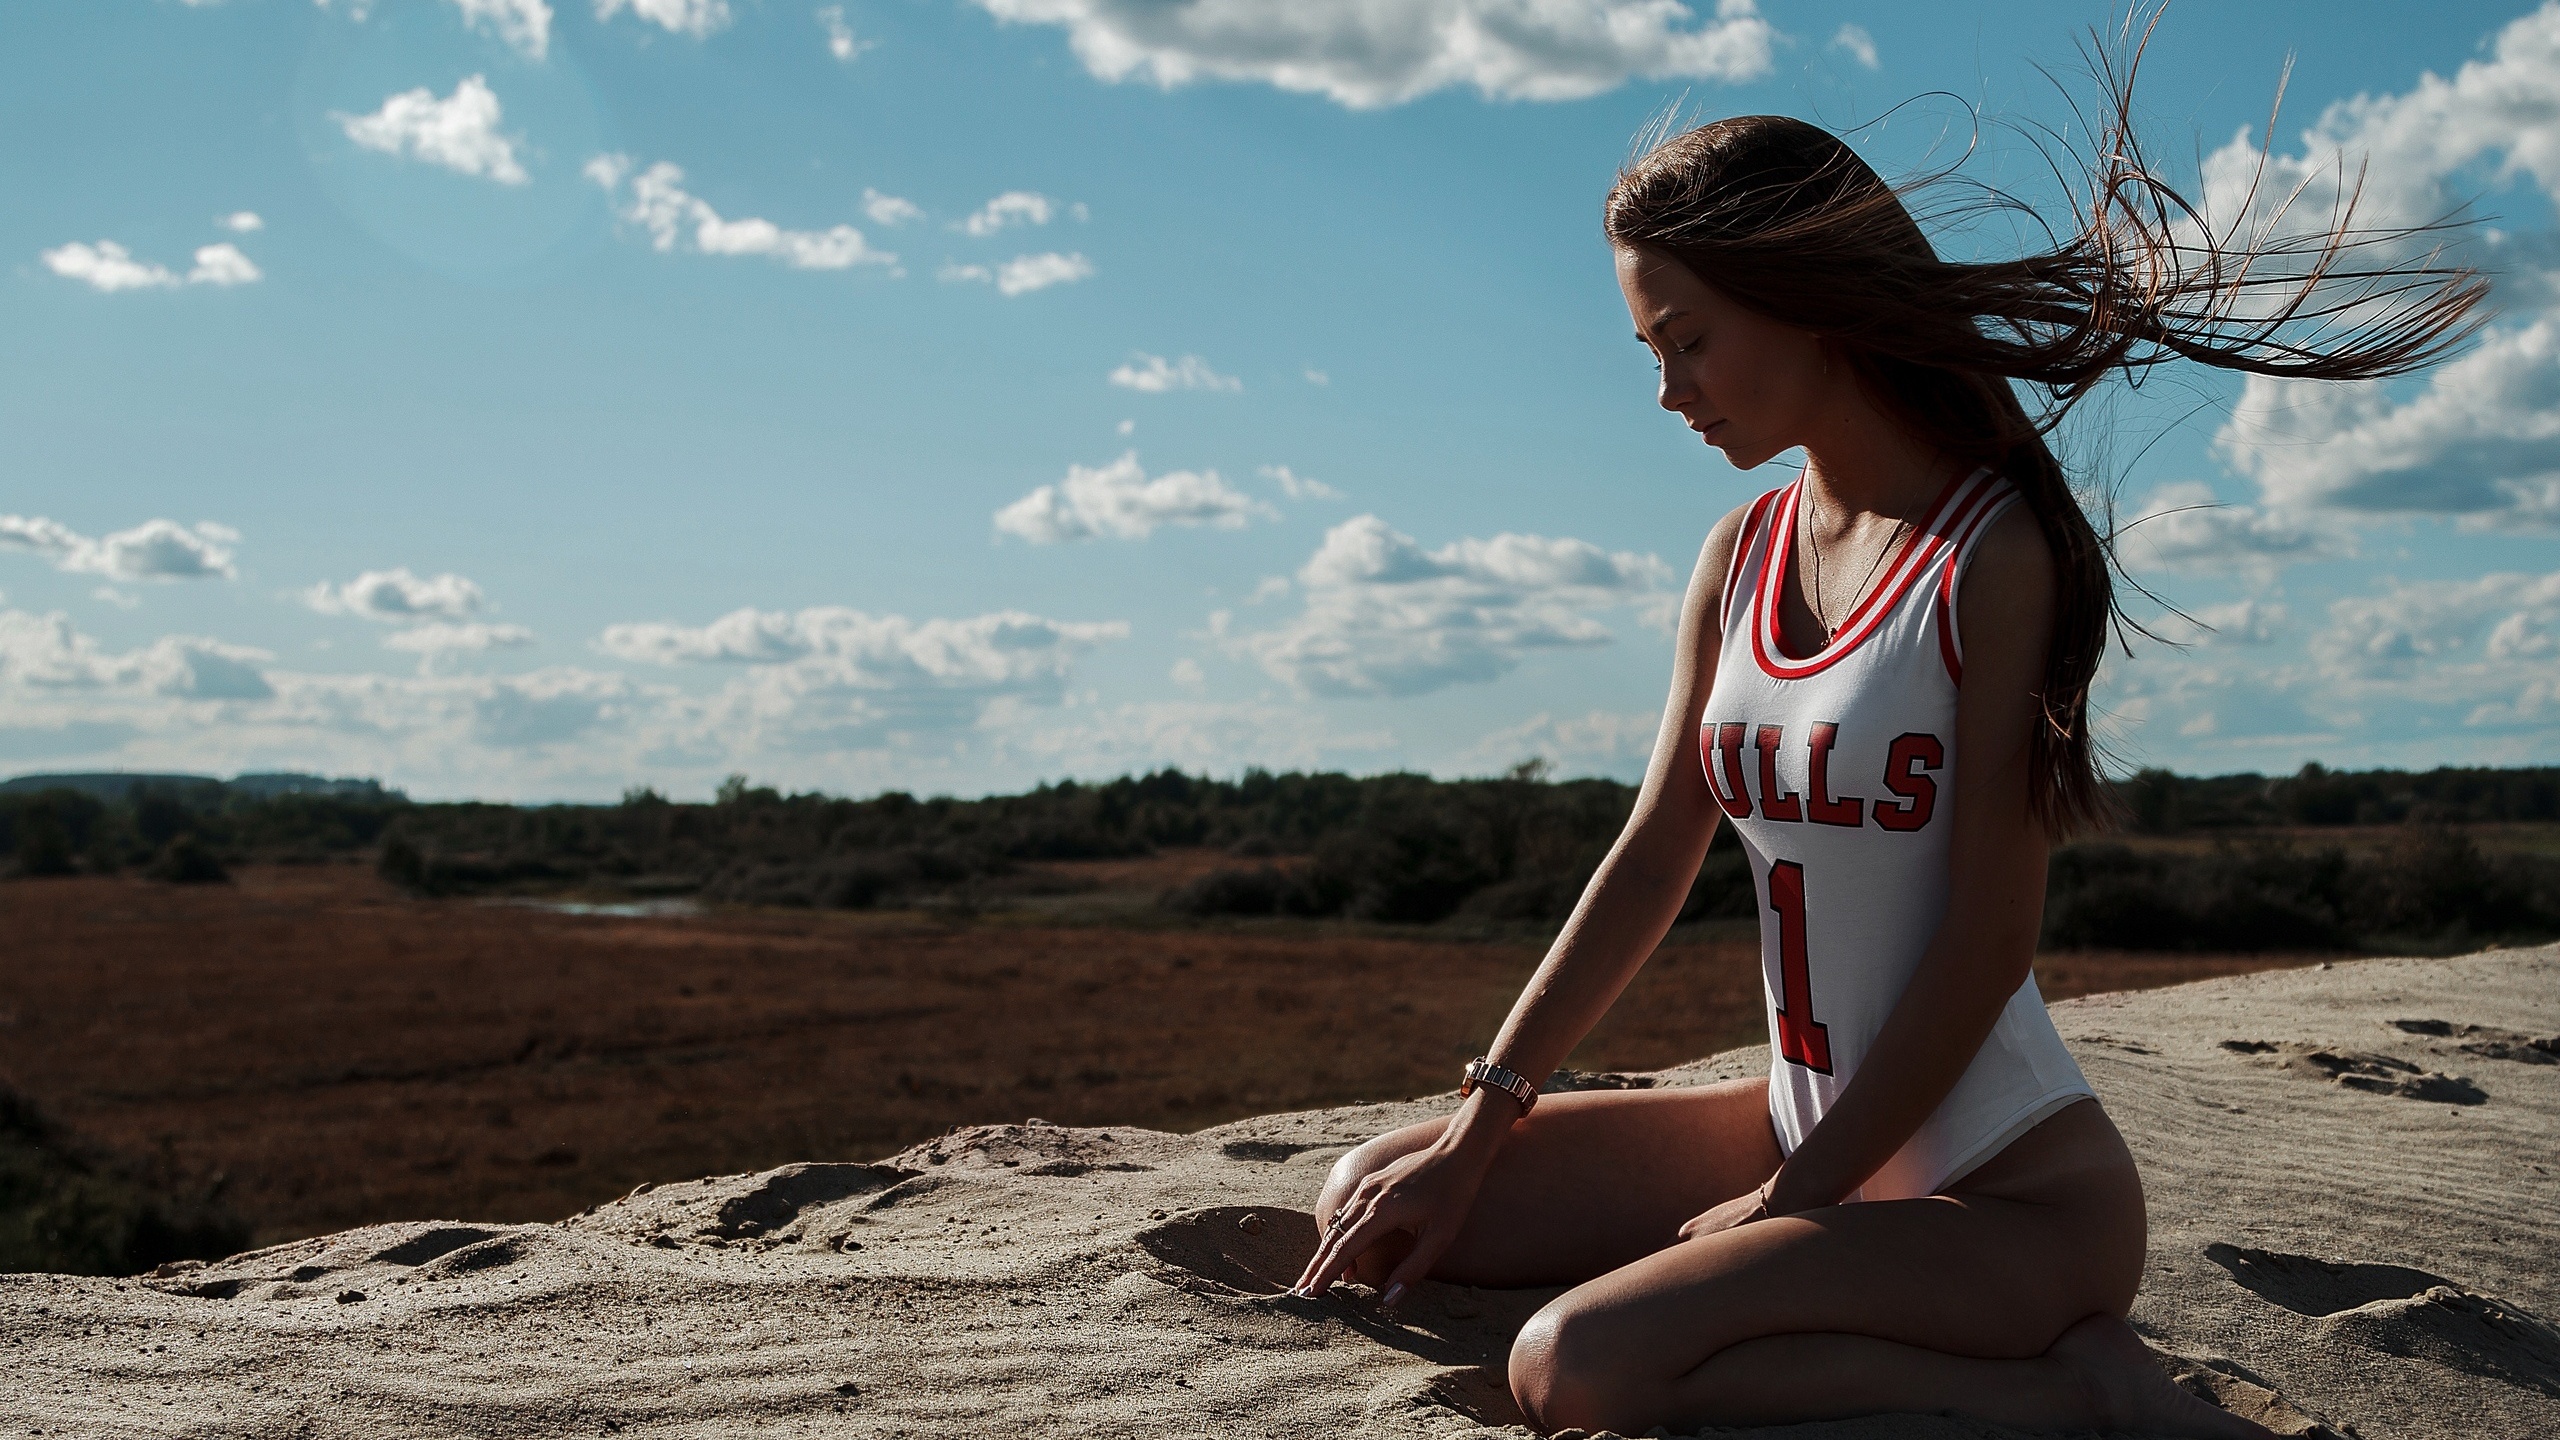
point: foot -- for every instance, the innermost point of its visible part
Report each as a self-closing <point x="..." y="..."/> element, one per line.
<point x="2128" y="1391"/>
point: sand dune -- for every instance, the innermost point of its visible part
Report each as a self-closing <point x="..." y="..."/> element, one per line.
<point x="2354" y="1224"/>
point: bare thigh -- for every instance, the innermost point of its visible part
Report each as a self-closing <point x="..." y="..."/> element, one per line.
<point x="2047" y="1233"/>
<point x="1587" y="1182"/>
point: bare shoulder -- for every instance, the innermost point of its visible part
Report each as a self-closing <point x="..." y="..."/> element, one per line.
<point x="2011" y="578"/>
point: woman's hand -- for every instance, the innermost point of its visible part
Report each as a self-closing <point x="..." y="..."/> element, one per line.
<point x="1425" y="1194"/>
<point x="1741" y="1210"/>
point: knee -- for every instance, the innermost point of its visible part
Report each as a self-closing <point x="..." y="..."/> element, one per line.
<point x="1356" y="1163"/>
<point x="1564" y="1375"/>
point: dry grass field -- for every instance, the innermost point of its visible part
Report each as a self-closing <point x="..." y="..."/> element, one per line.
<point x="339" y="1053"/>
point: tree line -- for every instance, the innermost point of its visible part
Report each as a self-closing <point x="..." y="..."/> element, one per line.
<point x="2258" y="869"/>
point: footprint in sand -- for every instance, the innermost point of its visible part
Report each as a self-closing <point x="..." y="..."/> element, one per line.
<point x="2404" y="1311"/>
<point x="2364" y="1070"/>
<point x="2489" y="1041"/>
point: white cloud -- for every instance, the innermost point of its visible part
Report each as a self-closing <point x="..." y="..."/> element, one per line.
<point x="2505" y="619"/>
<point x="397" y="597"/>
<point x="2181" y="526"/>
<point x="839" y="671"/>
<point x="1317" y="377"/>
<point x="1605" y="742"/>
<point x="1297" y="486"/>
<point x="437" y="639"/>
<point x="842" y="43"/>
<point x="459" y="132"/>
<point x="152" y="550"/>
<point x="889" y="209"/>
<point x="2481" y="439"/>
<point x="242" y="222"/>
<point x="1854" y="42"/>
<point x="223" y="265"/>
<point x="1366" y="53"/>
<point x="660" y="204"/>
<point x="1119" y="501"/>
<point x="1153" y="376"/>
<point x="1025" y="273"/>
<point x="109" y="267"/>
<point x="524" y="25"/>
<point x="106" y="266"/>
<point x="2255" y="620"/>
<point x="46" y="653"/>
<point x="696" y="18"/>
<point x="1013" y="207"/>
<point x="1383" y="616"/>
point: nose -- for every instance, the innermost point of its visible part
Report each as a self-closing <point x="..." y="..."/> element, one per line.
<point x="1674" y="391"/>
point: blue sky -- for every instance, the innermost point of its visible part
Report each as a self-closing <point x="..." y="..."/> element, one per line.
<point x="534" y="398"/>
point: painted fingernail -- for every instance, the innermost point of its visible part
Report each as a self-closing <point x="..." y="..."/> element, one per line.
<point x="1393" y="1293"/>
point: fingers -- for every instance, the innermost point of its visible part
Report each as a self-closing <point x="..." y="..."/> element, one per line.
<point x="1417" y="1265"/>
<point x="1355" y="1228"/>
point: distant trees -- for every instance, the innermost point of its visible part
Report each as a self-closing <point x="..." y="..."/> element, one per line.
<point x="2226" y="862"/>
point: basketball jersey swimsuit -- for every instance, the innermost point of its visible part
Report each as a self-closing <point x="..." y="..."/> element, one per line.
<point x="1837" y="770"/>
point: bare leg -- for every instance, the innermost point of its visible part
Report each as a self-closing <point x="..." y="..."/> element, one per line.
<point x="1998" y="1300"/>
<point x="1589" y="1181"/>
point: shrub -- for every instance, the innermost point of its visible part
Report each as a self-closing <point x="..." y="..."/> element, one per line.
<point x="187" y="860"/>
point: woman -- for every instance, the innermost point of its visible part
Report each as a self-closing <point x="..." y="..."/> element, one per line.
<point x="1882" y="680"/>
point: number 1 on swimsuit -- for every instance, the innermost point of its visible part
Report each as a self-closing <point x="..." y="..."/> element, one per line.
<point x="1801" y="1038"/>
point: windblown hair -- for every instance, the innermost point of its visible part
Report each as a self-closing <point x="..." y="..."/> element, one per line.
<point x="1783" y="218"/>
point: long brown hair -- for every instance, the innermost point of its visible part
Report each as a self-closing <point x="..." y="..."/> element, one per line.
<point x="1785" y="219"/>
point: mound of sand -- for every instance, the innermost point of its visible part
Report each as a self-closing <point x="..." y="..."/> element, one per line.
<point x="2354" y="1225"/>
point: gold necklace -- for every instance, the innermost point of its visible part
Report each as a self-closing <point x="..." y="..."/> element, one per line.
<point x="1829" y="632"/>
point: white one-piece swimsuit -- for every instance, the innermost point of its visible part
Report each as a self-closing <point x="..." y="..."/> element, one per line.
<point x="1838" y="769"/>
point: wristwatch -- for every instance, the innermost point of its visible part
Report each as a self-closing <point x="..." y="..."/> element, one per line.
<point x="1482" y="1071"/>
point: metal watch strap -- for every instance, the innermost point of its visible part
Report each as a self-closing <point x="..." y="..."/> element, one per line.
<point x="1482" y="1070"/>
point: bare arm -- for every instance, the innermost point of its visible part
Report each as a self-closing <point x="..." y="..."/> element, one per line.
<point x="1986" y="942"/>
<point x="1637" y="891"/>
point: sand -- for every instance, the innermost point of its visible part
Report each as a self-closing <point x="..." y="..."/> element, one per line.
<point x="2355" y="1223"/>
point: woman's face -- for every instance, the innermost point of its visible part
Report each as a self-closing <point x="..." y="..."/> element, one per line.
<point x="1747" y="384"/>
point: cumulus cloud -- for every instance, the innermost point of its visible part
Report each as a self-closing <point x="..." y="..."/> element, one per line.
<point x="152" y="550"/>
<point x="1152" y="375"/>
<point x="458" y="132"/>
<point x="47" y="653"/>
<point x="2479" y="440"/>
<point x="1383" y="616"/>
<point x="1385" y="52"/>
<point x="2183" y="527"/>
<point x="1608" y="742"/>
<point x="397" y="597"/>
<point x="2253" y="620"/>
<point x="242" y="222"/>
<point x="1854" y="42"/>
<point x="889" y="209"/>
<point x="696" y="18"/>
<point x="660" y="204"/>
<point x="1121" y="502"/>
<point x="2501" y="619"/>
<point x="841" y="41"/>
<point x="223" y="265"/>
<point x="109" y="267"/>
<point x="525" y="25"/>
<point x="437" y="639"/>
<point x="1297" y="486"/>
<point x="1023" y="273"/>
<point x="829" y="649"/>
<point x="1013" y="207"/>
